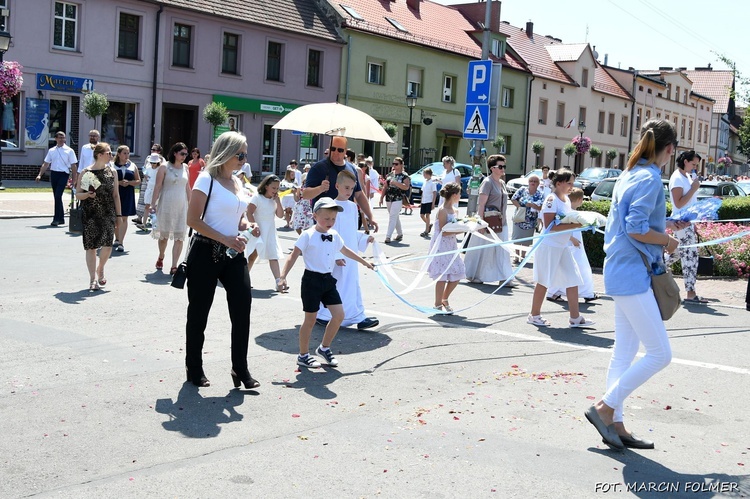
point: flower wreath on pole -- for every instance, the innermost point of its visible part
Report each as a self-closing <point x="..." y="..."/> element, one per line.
<point x="11" y="79"/>
<point x="583" y="144"/>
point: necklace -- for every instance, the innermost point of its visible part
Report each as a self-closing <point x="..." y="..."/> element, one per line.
<point x="175" y="171"/>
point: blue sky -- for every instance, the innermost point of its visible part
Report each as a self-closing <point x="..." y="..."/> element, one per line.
<point x="640" y="33"/>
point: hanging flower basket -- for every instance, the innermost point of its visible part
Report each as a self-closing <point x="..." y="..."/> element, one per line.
<point x="11" y="79"/>
<point x="583" y="144"/>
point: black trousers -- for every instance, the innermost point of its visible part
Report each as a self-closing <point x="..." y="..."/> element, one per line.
<point x="59" y="181"/>
<point x="202" y="276"/>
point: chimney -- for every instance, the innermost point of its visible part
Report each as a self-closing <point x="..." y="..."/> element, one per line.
<point x="606" y="58"/>
<point x="413" y="4"/>
<point x="530" y="29"/>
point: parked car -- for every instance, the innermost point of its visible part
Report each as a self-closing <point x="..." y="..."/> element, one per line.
<point x="719" y="189"/>
<point x="417" y="180"/>
<point x="745" y="186"/>
<point x="513" y="185"/>
<point x="603" y="191"/>
<point x="590" y="178"/>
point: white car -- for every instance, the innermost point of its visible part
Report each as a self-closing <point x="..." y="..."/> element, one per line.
<point x="513" y="185"/>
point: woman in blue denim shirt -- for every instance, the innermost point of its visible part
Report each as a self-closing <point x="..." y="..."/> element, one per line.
<point x="637" y="224"/>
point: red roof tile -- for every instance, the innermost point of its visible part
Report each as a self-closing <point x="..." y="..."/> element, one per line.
<point x="435" y="25"/>
<point x="566" y="51"/>
<point x="297" y="16"/>
<point x="605" y="83"/>
<point x="716" y="84"/>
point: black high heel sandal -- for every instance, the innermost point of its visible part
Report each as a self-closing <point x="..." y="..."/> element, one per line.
<point x="246" y="380"/>
<point x="197" y="377"/>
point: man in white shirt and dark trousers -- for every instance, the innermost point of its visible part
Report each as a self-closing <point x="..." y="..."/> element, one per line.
<point x="87" y="152"/>
<point x="61" y="160"/>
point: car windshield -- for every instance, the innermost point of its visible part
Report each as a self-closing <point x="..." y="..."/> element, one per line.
<point x="745" y="186"/>
<point x="437" y="169"/>
<point x="537" y="172"/>
<point x="605" y="189"/>
<point x="706" y="190"/>
<point x="593" y="174"/>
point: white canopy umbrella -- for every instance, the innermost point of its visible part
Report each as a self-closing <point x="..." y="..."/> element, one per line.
<point x="332" y="118"/>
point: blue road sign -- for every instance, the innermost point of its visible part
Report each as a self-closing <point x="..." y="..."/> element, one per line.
<point x="476" y="119"/>
<point x="479" y="82"/>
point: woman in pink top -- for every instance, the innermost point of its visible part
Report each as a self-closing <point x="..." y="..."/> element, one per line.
<point x="195" y="166"/>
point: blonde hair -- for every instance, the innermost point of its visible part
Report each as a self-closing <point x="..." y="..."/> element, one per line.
<point x="227" y="145"/>
<point x="576" y="194"/>
<point x="656" y="135"/>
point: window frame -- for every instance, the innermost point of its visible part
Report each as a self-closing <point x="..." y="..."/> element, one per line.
<point x="543" y="110"/>
<point x="507" y="97"/>
<point x="319" y="68"/>
<point x="585" y="77"/>
<point x="227" y="49"/>
<point x="560" y="114"/>
<point x="381" y="73"/>
<point x="138" y="34"/>
<point x="450" y="88"/>
<point x="190" y="41"/>
<point x="414" y="86"/>
<point x="269" y="59"/>
<point x="75" y="22"/>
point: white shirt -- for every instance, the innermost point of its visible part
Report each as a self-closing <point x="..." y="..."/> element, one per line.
<point x="682" y="181"/>
<point x="224" y="208"/>
<point x="552" y="204"/>
<point x="319" y="256"/>
<point x="428" y="191"/>
<point x="61" y="159"/>
<point x="87" y="157"/>
<point x="451" y="177"/>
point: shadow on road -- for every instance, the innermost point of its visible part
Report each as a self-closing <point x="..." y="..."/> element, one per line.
<point x="648" y="479"/>
<point x="76" y="297"/>
<point x="196" y="416"/>
<point x="347" y="341"/>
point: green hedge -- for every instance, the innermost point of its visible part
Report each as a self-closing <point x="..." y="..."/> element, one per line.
<point x="731" y="208"/>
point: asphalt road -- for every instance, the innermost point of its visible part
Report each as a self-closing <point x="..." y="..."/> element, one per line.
<point x="478" y="404"/>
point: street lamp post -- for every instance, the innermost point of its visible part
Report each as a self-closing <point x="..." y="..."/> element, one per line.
<point x="411" y="103"/>
<point x="581" y="129"/>
<point x="4" y="45"/>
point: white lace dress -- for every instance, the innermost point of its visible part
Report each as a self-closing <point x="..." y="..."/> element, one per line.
<point x="172" y="206"/>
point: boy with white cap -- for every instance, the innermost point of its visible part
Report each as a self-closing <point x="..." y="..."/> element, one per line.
<point x="320" y="246"/>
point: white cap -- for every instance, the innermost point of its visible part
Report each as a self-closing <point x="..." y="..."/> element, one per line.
<point x="326" y="203"/>
<point x="154" y="158"/>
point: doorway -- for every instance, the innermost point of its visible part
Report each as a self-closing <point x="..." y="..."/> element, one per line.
<point x="271" y="148"/>
<point x="59" y="119"/>
<point x="179" y="124"/>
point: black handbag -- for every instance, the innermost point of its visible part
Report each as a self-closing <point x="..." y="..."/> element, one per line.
<point x="76" y="216"/>
<point x="180" y="275"/>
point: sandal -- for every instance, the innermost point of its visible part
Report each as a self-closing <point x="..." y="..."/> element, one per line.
<point x="580" y="322"/>
<point x="102" y="281"/>
<point x="399" y="237"/>
<point x="595" y="297"/>
<point x="537" y="320"/>
<point x="173" y="271"/>
<point x="447" y="308"/>
<point x="280" y="288"/>
<point x="557" y="297"/>
<point x="387" y="240"/>
<point x="696" y="299"/>
<point x="93" y="286"/>
<point x="160" y="263"/>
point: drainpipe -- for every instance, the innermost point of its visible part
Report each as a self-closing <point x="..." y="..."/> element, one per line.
<point x="156" y="69"/>
<point x="528" y="117"/>
<point x="348" y="67"/>
<point x="632" y="116"/>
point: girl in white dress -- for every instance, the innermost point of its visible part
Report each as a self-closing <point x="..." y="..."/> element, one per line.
<point x="263" y="207"/>
<point x="288" y="201"/>
<point x="554" y="264"/>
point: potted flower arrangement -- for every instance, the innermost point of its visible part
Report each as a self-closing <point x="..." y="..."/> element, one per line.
<point x="537" y="147"/>
<point x="11" y="79"/>
<point x="390" y="129"/>
<point x="569" y="150"/>
<point x="594" y="152"/>
<point x="724" y="163"/>
<point x="95" y="104"/>
<point x="582" y="144"/>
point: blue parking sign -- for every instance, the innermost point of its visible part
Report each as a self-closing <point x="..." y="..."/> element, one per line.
<point x="479" y="82"/>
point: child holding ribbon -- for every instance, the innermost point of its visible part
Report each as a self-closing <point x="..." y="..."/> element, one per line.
<point x="554" y="264"/>
<point x="448" y="270"/>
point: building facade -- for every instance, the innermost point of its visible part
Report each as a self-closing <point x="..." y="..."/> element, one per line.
<point x="160" y="63"/>
<point x="422" y="48"/>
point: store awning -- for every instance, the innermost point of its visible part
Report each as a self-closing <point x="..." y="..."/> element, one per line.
<point x="450" y="133"/>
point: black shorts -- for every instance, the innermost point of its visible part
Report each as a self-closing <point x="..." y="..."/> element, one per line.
<point x="425" y="208"/>
<point x="318" y="288"/>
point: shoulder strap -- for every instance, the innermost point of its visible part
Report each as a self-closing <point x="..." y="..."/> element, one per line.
<point x="205" y="206"/>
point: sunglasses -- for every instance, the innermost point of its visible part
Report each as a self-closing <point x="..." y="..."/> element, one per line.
<point x="241" y="156"/>
<point x="500" y="167"/>
<point x="182" y="153"/>
<point x="338" y="149"/>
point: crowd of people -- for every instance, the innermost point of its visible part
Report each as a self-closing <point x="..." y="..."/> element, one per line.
<point x="329" y="205"/>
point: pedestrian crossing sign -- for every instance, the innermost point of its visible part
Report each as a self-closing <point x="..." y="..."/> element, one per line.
<point x="476" y="118"/>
